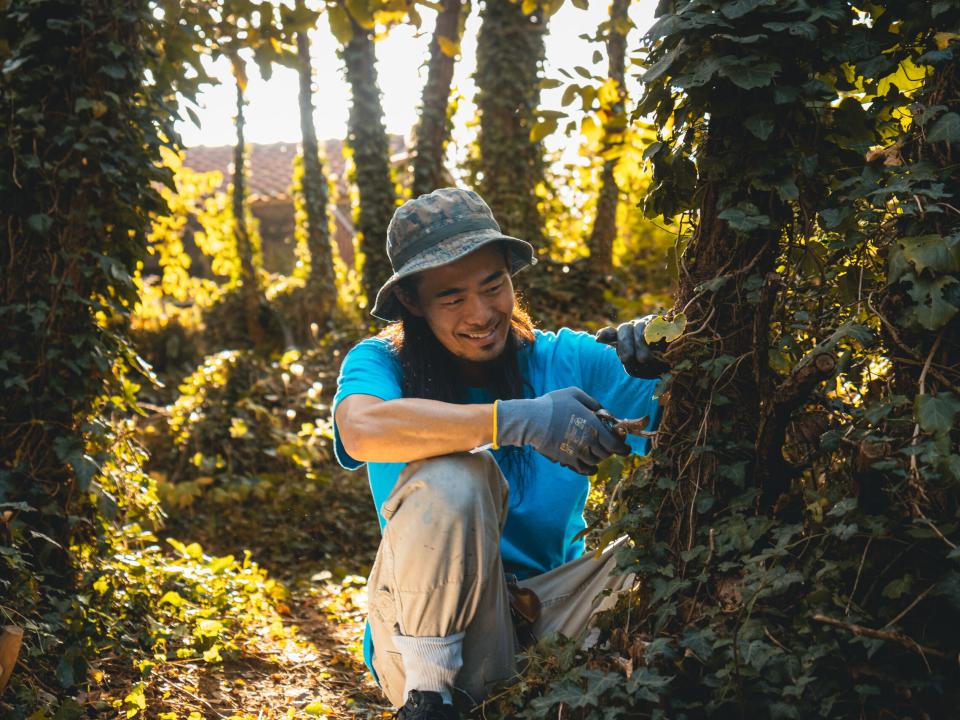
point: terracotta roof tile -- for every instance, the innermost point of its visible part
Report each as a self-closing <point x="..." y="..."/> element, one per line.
<point x="271" y="164"/>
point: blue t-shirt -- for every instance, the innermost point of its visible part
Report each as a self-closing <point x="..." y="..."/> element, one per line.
<point x="546" y="506"/>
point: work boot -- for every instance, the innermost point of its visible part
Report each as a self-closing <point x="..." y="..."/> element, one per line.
<point x="426" y="706"/>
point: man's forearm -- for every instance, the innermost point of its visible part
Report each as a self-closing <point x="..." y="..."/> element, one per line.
<point x="412" y="429"/>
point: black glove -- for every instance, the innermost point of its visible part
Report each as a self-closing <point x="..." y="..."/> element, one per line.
<point x="633" y="350"/>
<point x="562" y="425"/>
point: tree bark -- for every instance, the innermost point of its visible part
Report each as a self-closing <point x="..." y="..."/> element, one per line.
<point x="321" y="286"/>
<point x="711" y="421"/>
<point x="600" y="243"/>
<point x="249" y="291"/>
<point x="509" y="55"/>
<point x="371" y="158"/>
<point x="433" y="130"/>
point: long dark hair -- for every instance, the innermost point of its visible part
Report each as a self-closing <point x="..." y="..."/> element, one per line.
<point x="430" y="370"/>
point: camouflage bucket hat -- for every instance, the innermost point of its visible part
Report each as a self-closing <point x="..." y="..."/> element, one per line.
<point x="436" y="229"/>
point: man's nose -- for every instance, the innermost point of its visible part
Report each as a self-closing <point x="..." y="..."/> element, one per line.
<point x="477" y="311"/>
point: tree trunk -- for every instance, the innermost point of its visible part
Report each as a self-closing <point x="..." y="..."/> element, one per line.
<point x="371" y="158"/>
<point x="712" y="422"/>
<point x="600" y="243"/>
<point x="433" y="130"/>
<point x="509" y="55"/>
<point x="320" y="282"/>
<point x="249" y="291"/>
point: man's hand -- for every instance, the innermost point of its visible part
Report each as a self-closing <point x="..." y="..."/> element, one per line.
<point x="633" y="350"/>
<point x="562" y="425"/>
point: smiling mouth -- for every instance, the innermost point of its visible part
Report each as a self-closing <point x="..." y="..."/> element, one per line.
<point x="482" y="337"/>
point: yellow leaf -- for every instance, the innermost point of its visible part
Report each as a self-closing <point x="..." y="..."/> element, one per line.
<point x="340" y="24"/>
<point x="318" y="708"/>
<point x="171" y="597"/>
<point x="528" y="6"/>
<point x="101" y="585"/>
<point x="943" y="39"/>
<point x="591" y="129"/>
<point x="212" y="655"/>
<point x="238" y="428"/>
<point x="542" y="129"/>
<point x="448" y="47"/>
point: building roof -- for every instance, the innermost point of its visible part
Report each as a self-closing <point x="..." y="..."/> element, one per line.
<point x="271" y="165"/>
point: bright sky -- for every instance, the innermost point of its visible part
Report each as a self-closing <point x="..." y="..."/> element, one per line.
<point x="272" y="114"/>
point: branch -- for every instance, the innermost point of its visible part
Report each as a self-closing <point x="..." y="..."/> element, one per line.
<point x="775" y="472"/>
<point x="899" y="638"/>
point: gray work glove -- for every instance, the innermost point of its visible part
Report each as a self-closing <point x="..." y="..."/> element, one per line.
<point x="633" y="350"/>
<point x="561" y="425"/>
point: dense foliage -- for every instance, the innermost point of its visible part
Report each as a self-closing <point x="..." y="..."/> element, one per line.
<point x="795" y="529"/>
<point x="787" y="181"/>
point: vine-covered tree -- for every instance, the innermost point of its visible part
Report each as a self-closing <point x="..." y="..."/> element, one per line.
<point x="248" y="252"/>
<point x="509" y="56"/>
<point x="368" y="142"/>
<point x="434" y="123"/>
<point x="82" y="129"/>
<point x="313" y="185"/>
<point x="604" y="231"/>
<point x="795" y="529"/>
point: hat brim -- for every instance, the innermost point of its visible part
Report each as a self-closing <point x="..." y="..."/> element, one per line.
<point x="387" y="306"/>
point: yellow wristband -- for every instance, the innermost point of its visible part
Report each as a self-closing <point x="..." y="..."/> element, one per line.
<point x="495" y="446"/>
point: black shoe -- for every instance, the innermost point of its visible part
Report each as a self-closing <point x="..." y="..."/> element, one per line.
<point x="426" y="706"/>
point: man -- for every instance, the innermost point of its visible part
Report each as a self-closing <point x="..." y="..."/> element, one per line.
<point x="478" y="432"/>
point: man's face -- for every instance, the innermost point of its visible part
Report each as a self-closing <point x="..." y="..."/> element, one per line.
<point x="468" y="304"/>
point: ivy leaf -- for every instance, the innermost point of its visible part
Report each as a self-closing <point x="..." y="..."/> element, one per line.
<point x="932" y="251"/>
<point x="660" y="67"/>
<point x="932" y="311"/>
<point x="662" y="329"/>
<point x="751" y="75"/>
<point x="759" y="126"/>
<point x="744" y="218"/>
<point x="40" y="222"/>
<point x="734" y="10"/>
<point x="945" y="129"/>
<point x="936" y="413"/>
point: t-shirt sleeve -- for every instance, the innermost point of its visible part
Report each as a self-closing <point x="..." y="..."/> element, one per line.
<point x="626" y="397"/>
<point x="370" y="368"/>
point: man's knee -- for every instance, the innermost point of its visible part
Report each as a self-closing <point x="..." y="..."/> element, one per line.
<point x="458" y="483"/>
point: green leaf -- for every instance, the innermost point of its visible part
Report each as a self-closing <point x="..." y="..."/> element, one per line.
<point x="945" y="129"/>
<point x="750" y="76"/>
<point x="662" y="329"/>
<point x="734" y="10"/>
<point x="40" y="223"/>
<point x="744" y="218"/>
<point x="898" y="588"/>
<point x="759" y="126"/>
<point x="117" y="72"/>
<point x="932" y="251"/>
<point x="932" y="311"/>
<point x="936" y="413"/>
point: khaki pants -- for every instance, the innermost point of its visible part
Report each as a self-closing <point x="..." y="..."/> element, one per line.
<point x="438" y="572"/>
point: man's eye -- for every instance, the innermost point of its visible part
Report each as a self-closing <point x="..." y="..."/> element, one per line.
<point x="495" y="288"/>
<point x="455" y="301"/>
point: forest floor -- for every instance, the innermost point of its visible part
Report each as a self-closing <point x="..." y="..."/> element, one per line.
<point x="311" y="528"/>
<point x="313" y="666"/>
